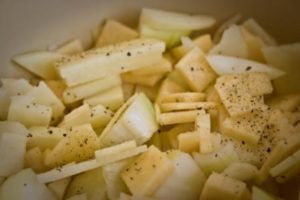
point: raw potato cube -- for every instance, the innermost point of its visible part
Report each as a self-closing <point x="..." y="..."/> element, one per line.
<point x="12" y="127"/>
<point x="188" y="142"/>
<point x="112" y="98"/>
<point x="29" y="113"/>
<point x="183" y="97"/>
<point x="109" y="60"/>
<point x="12" y="152"/>
<point x="241" y="171"/>
<point x="76" y="93"/>
<point x="236" y="95"/>
<point x="43" y="95"/>
<point x="40" y="63"/>
<point x="11" y="87"/>
<point x="24" y="185"/>
<point x="219" y="186"/>
<point x="100" y="116"/>
<point x="59" y="187"/>
<point x="203" y="128"/>
<point x="195" y="70"/>
<point x="174" y="132"/>
<point x="180" y="117"/>
<point x="232" y="43"/>
<point x="90" y="183"/>
<point x="79" y="145"/>
<point x="114" y="32"/>
<point x="248" y="127"/>
<point x="179" y="106"/>
<point x="147" y="80"/>
<point x="78" y="116"/>
<point x="44" y="137"/>
<point x="163" y="66"/>
<point x="167" y="87"/>
<point x="177" y="77"/>
<point x="34" y="159"/>
<point x="146" y="174"/>
<point x="204" y="42"/>
<point x="71" y="47"/>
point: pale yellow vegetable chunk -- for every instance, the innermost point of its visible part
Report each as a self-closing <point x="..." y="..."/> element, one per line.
<point x="79" y="145"/>
<point x="59" y="187"/>
<point x="147" y="172"/>
<point x="183" y="97"/>
<point x="188" y="142"/>
<point x="70" y="47"/>
<point x="147" y="80"/>
<point x="115" y="32"/>
<point x="179" y="117"/>
<point x="178" y="106"/>
<point x="195" y="70"/>
<point x="34" y="159"/>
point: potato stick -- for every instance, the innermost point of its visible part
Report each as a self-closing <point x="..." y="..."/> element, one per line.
<point x="177" y="117"/>
<point x="167" y="107"/>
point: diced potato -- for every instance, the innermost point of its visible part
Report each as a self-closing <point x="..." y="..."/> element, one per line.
<point x="11" y="87"/>
<point x="112" y="98"/>
<point x="253" y="27"/>
<point x="24" y="185"/>
<point x="57" y="87"/>
<point x="248" y="127"/>
<point x="225" y="25"/>
<point x="179" y="117"/>
<point x="76" y="93"/>
<point x="114" y="32"/>
<point x="78" y="116"/>
<point x="183" y="97"/>
<point x="163" y="66"/>
<point x="172" y="134"/>
<point x="287" y="169"/>
<point x="79" y="145"/>
<point x="203" y="128"/>
<point x="167" y="87"/>
<point x="12" y="152"/>
<point x="212" y="95"/>
<point x="43" y="95"/>
<point x="232" y="43"/>
<point x="40" y="63"/>
<point x="232" y="65"/>
<point x="90" y="183"/>
<point x="100" y="116"/>
<point x="235" y="94"/>
<point x="185" y="182"/>
<point x="218" y="160"/>
<point x="177" y="77"/>
<point x="34" y="159"/>
<point x="188" y="142"/>
<point x="280" y="151"/>
<point x="29" y="113"/>
<point x="44" y="137"/>
<point x="70" y="47"/>
<point x="179" y="106"/>
<point x="153" y="169"/>
<point x="219" y="186"/>
<point x="147" y="80"/>
<point x="59" y="187"/>
<point x="195" y="70"/>
<point x="204" y="42"/>
<point x="241" y="171"/>
<point x="172" y="21"/>
<point x="110" y="60"/>
<point x="12" y="127"/>
<point x="286" y="59"/>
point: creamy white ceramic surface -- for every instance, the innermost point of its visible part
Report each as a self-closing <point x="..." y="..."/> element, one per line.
<point x="34" y="24"/>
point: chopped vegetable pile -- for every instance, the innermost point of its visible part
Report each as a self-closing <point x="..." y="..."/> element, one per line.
<point x="153" y="114"/>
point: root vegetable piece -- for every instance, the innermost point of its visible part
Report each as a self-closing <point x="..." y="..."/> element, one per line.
<point x="145" y="175"/>
<point x="219" y="186"/>
<point x="195" y="70"/>
<point x="70" y="47"/>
